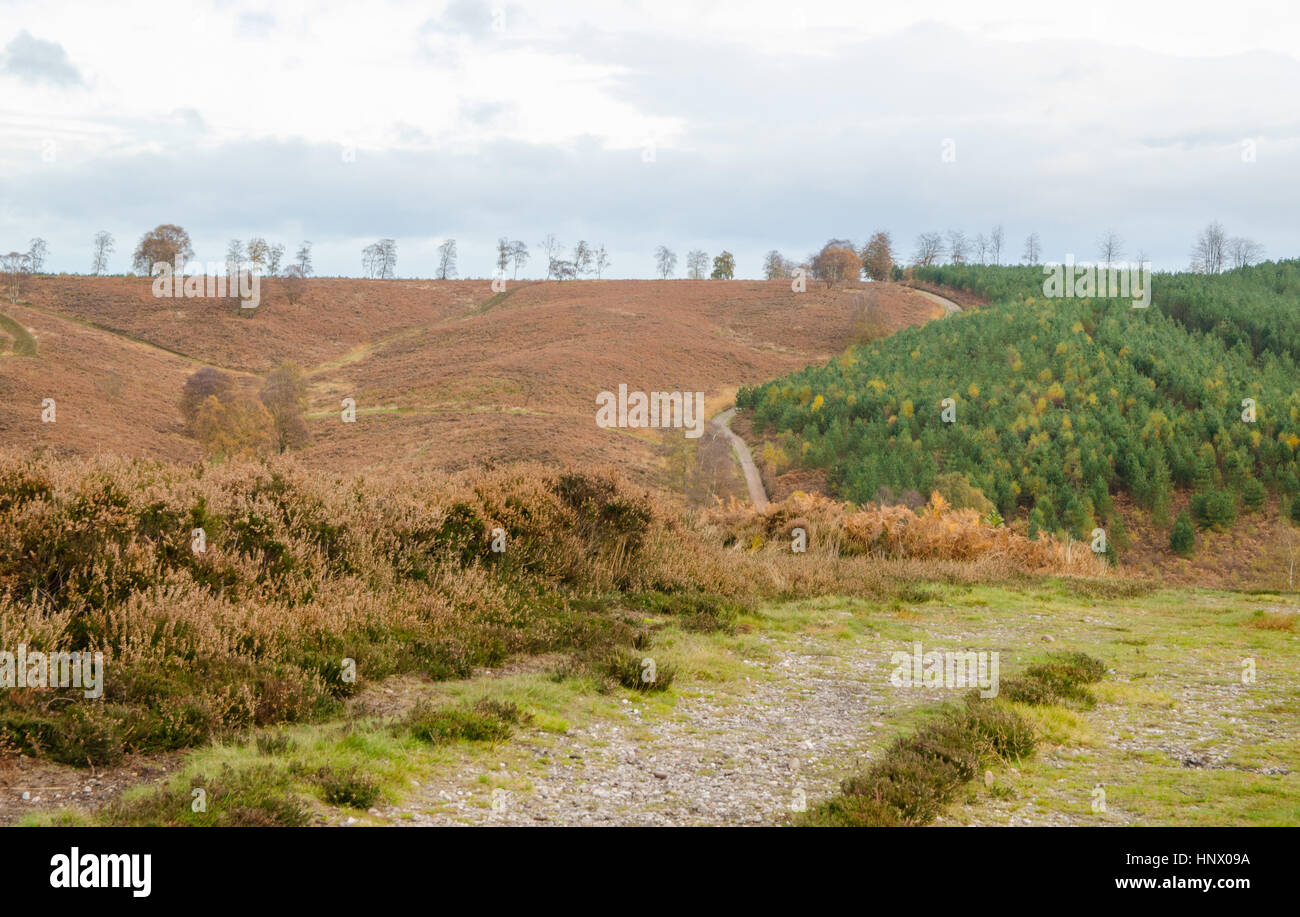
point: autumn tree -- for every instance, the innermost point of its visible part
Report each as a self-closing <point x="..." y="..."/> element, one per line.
<point x="259" y="252"/>
<point x="238" y="427"/>
<point x="776" y="266"/>
<point x="295" y="283"/>
<point x="835" y="263"/>
<point x="201" y="385"/>
<point x="724" y="267"/>
<point x="878" y="256"/>
<point x="283" y="394"/>
<point x="163" y="244"/>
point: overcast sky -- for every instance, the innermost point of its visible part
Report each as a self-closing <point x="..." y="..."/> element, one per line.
<point x="745" y="126"/>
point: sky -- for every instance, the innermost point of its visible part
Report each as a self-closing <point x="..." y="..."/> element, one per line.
<point x="737" y="126"/>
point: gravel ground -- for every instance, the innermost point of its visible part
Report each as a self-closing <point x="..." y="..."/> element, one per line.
<point x="748" y="754"/>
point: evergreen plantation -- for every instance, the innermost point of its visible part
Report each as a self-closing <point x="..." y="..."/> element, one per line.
<point x="1058" y="404"/>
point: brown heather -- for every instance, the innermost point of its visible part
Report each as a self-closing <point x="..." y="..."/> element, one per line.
<point x="303" y="569"/>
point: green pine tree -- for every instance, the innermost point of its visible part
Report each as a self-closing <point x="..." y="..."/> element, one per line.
<point x="1182" y="540"/>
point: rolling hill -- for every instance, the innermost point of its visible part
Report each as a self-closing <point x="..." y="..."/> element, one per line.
<point x="445" y="374"/>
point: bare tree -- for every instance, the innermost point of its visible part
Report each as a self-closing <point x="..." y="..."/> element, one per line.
<point x="518" y="256"/>
<point x="602" y="260"/>
<point x="15" y="266"/>
<point x="929" y="245"/>
<point x="553" y="249"/>
<point x="958" y="247"/>
<point x="995" y="243"/>
<point x="387" y="258"/>
<point x="234" y="257"/>
<point x="274" y="256"/>
<point x="1243" y="252"/>
<point x="697" y="264"/>
<point x="380" y="259"/>
<point x="581" y="258"/>
<point x="1210" y="252"/>
<point x="447" y="260"/>
<point x="503" y="255"/>
<point x="1033" y="249"/>
<point x="103" y="247"/>
<point x="1110" y="247"/>
<point x="302" y="260"/>
<point x="665" y="261"/>
<point x="36" y="255"/>
<point x="981" y="247"/>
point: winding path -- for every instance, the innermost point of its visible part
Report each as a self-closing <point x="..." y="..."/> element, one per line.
<point x="951" y="307"/>
<point x="752" y="478"/>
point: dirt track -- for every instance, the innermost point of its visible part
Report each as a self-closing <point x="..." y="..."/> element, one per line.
<point x="752" y="478"/>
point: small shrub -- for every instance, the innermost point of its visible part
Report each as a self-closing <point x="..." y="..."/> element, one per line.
<point x="346" y="788"/>
<point x="439" y="726"/>
<point x="632" y="670"/>
<point x="275" y="743"/>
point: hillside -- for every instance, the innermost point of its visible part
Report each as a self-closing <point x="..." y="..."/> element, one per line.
<point x="445" y="374"/>
<point x="1059" y="406"/>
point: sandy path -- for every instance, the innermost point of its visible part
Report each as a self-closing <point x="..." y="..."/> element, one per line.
<point x="752" y="478"/>
<point x="951" y="307"/>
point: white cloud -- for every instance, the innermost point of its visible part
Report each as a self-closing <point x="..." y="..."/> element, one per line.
<point x="770" y="128"/>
